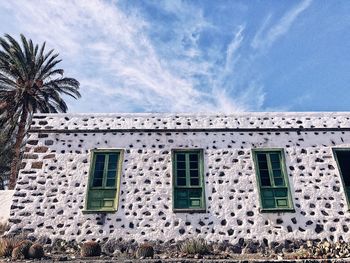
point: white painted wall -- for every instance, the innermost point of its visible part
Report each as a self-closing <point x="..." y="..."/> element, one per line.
<point x="51" y="188"/>
<point x="5" y="204"/>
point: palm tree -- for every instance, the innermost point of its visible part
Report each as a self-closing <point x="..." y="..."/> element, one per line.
<point x="29" y="83"/>
<point x="6" y="143"/>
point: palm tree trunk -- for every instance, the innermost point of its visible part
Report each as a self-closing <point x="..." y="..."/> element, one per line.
<point x="17" y="148"/>
<point x="3" y="105"/>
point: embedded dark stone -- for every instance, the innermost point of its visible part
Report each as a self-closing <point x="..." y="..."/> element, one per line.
<point x="182" y="231"/>
<point x="319" y="228"/>
<point x="40" y="149"/>
<point x="324" y="213"/>
<point x="331" y="167"/>
<point x="19" y="194"/>
<point x="252" y="247"/>
<point x="15" y="221"/>
<point x="279" y="221"/>
<point x="30" y="156"/>
<point x="236" y="249"/>
<point x="32" y="142"/>
<point x="230" y="232"/>
<point x="250" y="213"/>
<point x="25" y="214"/>
<point x="49" y="142"/>
<point x="37" y="165"/>
<point x="241" y="241"/>
<point x="309" y="222"/>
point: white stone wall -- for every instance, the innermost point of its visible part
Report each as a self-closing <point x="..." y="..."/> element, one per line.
<point x="51" y="188"/>
<point x="172" y="121"/>
<point x="5" y="205"/>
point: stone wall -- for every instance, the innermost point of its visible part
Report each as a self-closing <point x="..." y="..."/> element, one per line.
<point x="5" y="205"/>
<point x="51" y="189"/>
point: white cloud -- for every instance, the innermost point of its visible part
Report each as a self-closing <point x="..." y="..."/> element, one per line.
<point x="231" y="52"/>
<point x="263" y="41"/>
<point x="113" y="56"/>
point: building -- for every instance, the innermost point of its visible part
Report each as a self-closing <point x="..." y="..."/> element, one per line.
<point x="273" y="176"/>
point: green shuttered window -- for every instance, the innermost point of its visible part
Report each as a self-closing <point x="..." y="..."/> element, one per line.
<point x="188" y="184"/>
<point x="342" y="157"/>
<point x="104" y="177"/>
<point x="273" y="182"/>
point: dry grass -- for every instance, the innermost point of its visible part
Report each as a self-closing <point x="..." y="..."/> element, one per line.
<point x="195" y="246"/>
<point x="7" y="245"/>
<point x="3" y="228"/>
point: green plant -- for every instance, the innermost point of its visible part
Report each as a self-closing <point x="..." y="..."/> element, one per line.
<point x="30" y="82"/>
<point x="36" y="251"/>
<point x="90" y="249"/>
<point x="21" y="250"/>
<point x="7" y="244"/>
<point x="145" y="250"/>
<point x="195" y="246"/>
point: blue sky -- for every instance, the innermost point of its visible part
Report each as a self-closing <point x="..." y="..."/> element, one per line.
<point x="195" y="56"/>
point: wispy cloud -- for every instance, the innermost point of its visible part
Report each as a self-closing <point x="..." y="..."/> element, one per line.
<point x="129" y="61"/>
<point x="232" y="48"/>
<point x="97" y="38"/>
<point x="265" y="36"/>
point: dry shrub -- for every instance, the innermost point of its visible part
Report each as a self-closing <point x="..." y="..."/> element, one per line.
<point x="145" y="250"/>
<point x="7" y="244"/>
<point x="90" y="249"/>
<point x="195" y="246"/>
<point x="3" y="228"/>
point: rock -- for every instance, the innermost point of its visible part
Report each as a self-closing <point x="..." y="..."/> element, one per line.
<point x="62" y="258"/>
<point x="197" y="256"/>
<point x="236" y="249"/>
<point x="252" y="247"/>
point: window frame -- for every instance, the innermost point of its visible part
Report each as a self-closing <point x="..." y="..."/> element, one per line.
<point x="200" y="153"/>
<point x="255" y="151"/>
<point x="93" y="153"/>
<point x="341" y="149"/>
